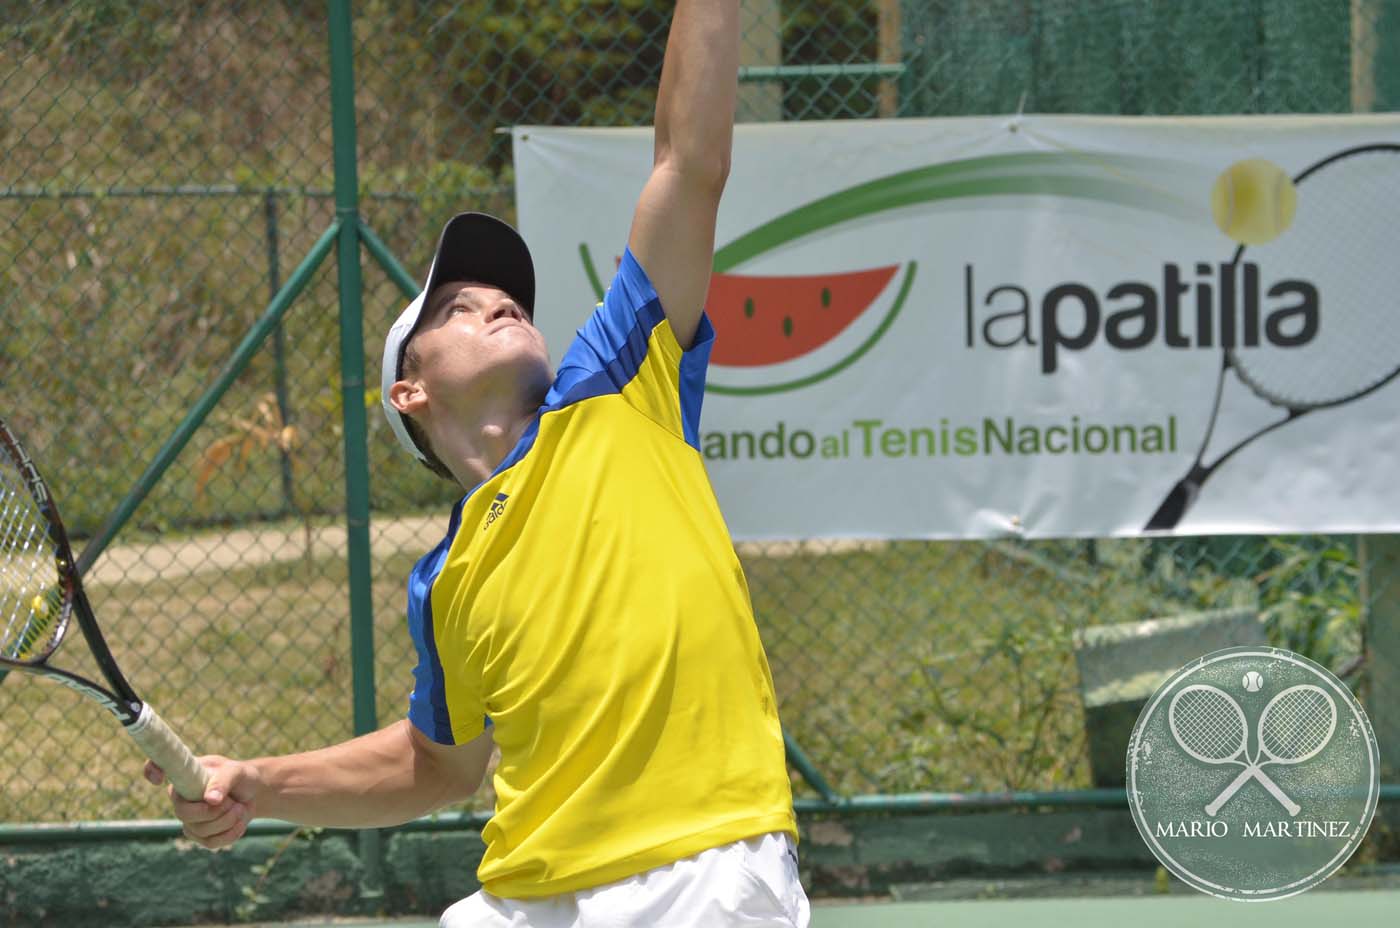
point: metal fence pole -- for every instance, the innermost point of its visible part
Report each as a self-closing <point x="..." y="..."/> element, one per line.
<point x="352" y="395"/>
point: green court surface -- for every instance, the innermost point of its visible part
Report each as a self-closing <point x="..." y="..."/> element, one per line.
<point x="1312" y="910"/>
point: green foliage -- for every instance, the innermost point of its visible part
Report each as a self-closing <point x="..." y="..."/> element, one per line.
<point x="1307" y="587"/>
<point x="1311" y="597"/>
<point x="816" y="34"/>
<point x="579" y="61"/>
<point x="999" y="682"/>
<point x="1010" y="701"/>
<point x="1144" y="57"/>
<point x="105" y="35"/>
<point x="253" y="896"/>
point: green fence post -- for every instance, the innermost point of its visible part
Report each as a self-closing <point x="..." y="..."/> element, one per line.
<point x="352" y="395"/>
<point x="1379" y="559"/>
<point x="380" y="252"/>
<point x="798" y="758"/>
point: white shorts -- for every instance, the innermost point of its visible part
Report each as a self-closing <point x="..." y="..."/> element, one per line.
<point x="748" y="883"/>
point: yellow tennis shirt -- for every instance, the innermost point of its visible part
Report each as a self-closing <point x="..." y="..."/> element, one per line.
<point x="588" y="602"/>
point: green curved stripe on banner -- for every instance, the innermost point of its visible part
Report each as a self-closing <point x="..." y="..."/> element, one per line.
<point x="840" y="365"/>
<point x="588" y="269"/>
<point x="1078" y="176"/>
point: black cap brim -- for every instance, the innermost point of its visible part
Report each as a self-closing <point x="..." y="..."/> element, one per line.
<point x="482" y="248"/>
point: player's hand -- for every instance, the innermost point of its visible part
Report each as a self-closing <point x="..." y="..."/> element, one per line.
<point x="222" y="817"/>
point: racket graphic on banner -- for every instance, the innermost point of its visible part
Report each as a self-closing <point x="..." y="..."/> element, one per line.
<point x="1295" y="726"/>
<point x="1341" y="239"/>
<point x="40" y="593"/>
<point x="1210" y="726"/>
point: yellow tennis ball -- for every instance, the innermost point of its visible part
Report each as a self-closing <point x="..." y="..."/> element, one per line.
<point x="40" y="605"/>
<point x="1253" y="201"/>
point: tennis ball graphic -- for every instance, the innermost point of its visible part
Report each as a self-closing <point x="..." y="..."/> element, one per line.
<point x="1253" y="201"/>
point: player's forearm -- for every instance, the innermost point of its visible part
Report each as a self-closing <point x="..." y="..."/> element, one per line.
<point x="699" y="85"/>
<point x="375" y="780"/>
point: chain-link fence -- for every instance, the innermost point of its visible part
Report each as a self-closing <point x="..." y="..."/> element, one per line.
<point x="168" y="171"/>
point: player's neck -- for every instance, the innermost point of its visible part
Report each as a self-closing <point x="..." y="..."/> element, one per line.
<point x="473" y="446"/>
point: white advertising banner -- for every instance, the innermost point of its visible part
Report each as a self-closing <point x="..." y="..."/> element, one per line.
<point x="1035" y="326"/>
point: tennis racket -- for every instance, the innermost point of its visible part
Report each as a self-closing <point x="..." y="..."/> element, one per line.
<point x="1210" y="726"/>
<point x="1342" y="239"/>
<point x="40" y="593"/>
<point x="1295" y="725"/>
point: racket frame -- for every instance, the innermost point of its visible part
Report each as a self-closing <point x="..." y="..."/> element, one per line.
<point x="138" y="720"/>
<point x="1235" y="758"/>
<point x="1181" y="742"/>
<point x="1183" y="495"/>
<point x="120" y="700"/>
<point x="1255" y="768"/>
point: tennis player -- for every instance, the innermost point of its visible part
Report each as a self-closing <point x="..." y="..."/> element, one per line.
<point x="586" y="612"/>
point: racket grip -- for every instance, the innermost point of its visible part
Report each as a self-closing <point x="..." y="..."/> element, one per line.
<point x="1174" y="506"/>
<point x="163" y="746"/>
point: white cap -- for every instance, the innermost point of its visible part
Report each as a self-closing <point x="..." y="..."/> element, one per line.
<point x="475" y="247"/>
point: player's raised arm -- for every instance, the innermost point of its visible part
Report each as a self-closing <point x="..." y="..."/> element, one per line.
<point x="673" y="230"/>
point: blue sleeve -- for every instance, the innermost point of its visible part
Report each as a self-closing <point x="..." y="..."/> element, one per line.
<point x="427" y="704"/>
<point x="612" y="350"/>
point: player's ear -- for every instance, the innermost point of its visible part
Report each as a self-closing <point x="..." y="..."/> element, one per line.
<point x="408" y="396"/>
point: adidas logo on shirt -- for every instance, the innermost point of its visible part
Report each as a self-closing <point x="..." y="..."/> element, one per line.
<point x="498" y="506"/>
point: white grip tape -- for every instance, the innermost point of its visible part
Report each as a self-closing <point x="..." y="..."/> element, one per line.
<point x="163" y="746"/>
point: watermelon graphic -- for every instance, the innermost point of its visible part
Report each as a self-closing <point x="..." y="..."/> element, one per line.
<point x="770" y="319"/>
<point x="766" y="320"/>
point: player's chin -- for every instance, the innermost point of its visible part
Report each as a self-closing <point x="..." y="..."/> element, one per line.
<point x="525" y="338"/>
<point x="530" y="359"/>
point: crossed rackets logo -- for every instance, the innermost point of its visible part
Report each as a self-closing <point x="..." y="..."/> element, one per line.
<point x="1305" y="741"/>
<point x="1209" y="725"/>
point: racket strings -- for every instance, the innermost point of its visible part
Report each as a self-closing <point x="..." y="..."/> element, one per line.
<point x="1208" y="724"/>
<point x="1298" y="724"/>
<point x="1340" y="241"/>
<point x="31" y="600"/>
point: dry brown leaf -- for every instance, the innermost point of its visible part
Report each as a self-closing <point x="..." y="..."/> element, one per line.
<point x="214" y="457"/>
